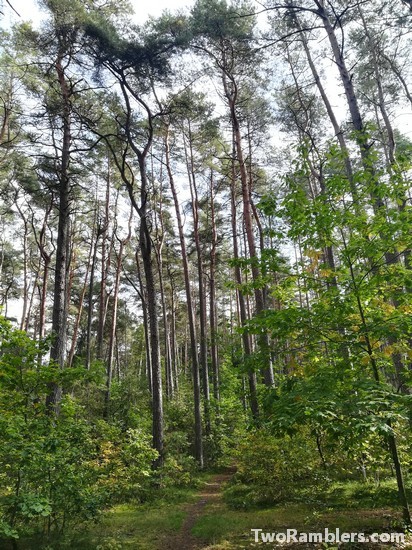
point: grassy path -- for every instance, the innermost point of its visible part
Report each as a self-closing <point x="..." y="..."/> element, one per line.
<point x="190" y="519"/>
<point x="202" y="520"/>
<point x="210" y="494"/>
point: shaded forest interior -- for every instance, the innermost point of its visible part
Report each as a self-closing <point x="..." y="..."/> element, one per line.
<point x="205" y="259"/>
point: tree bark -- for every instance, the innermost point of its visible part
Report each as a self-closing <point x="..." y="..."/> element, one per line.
<point x="203" y="365"/>
<point x="166" y="336"/>
<point x="143" y="299"/>
<point x="104" y="271"/>
<point x="59" y="313"/>
<point x="212" y="295"/>
<point x="192" y="327"/>
<point x="112" y="336"/>
<point x="147" y="258"/>
<point x="246" y="339"/>
<point x="231" y="93"/>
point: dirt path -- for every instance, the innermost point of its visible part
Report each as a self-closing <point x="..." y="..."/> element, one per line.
<point x="184" y="540"/>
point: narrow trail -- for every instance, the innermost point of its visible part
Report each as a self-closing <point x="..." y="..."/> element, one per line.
<point x="184" y="540"/>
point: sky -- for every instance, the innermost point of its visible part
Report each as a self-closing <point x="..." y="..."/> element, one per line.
<point x="28" y="9"/>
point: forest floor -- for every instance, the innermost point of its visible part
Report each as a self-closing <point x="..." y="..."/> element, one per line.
<point x="200" y="519"/>
<point x="210" y="495"/>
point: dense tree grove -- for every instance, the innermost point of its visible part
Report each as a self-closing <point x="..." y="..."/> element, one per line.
<point x="205" y="256"/>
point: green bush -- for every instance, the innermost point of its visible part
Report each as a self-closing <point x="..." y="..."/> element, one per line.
<point x="271" y="469"/>
<point x="58" y="470"/>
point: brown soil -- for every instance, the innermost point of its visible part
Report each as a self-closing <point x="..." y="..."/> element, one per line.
<point x="184" y="540"/>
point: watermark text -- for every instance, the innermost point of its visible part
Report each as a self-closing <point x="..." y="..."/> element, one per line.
<point x="327" y="535"/>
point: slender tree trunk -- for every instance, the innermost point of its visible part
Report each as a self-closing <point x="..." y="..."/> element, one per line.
<point x="30" y="307"/>
<point x="212" y="295"/>
<point x="143" y="299"/>
<point x="373" y="48"/>
<point x="231" y="95"/>
<point x="112" y="336"/>
<point x="146" y="249"/>
<point x="246" y="339"/>
<point x="190" y="311"/>
<point x="365" y="147"/>
<point x="203" y="364"/>
<point x="159" y="255"/>
<point x="7" y="110"/>
<point x="59" y="313"/>
<point x="173" y="332"/>
<point x="80" y="308"/>
<point x="26" y="283"/>
<point x="95" y="245"/>
<point x="328" y="106"/>
<point x="168" y="358"/>
<point x="46" y="257"/>
<point x="105" y="263"/>
<point x="148" y="257"/>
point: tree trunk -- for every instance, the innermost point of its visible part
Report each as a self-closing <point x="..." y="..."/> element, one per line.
<point x="167" y="354"/>
<point x="203" y="365"/>
<point x="80" y="308"/>
<point x="336" y="127"/>
<point x="212" y="295"/>
<point x="95" y="245"/>
<point x="192" y="327"/>
<point x="59" y="312"/>
<point x="143" y="299"/>
<point x="147" y="257"/>
<point x="173" y="333"/>
<point x="112" y="336"/>
<point x="231" y="95"/>
<point x="246" y="339"/>
<point x="104" y="271"/>
<point x="373" y="48"/>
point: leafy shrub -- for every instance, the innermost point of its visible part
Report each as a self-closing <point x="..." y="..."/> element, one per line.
<point x="178" y="472"/>
<point x="125" y="460"/>
<point x="57" y="470"/>
<point x="180" y="467"/>
<point x="270" y="469"/>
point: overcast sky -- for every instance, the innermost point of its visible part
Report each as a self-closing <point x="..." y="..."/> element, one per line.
<point x="28" y="9"/>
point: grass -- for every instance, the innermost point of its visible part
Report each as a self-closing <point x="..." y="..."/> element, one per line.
<point x="127" y="526"/>
<point x="133" y="527"/>
<point x="219" y="523"/>
<point x="232" y="528"/>
<point x="351" y="506"/>
<point x="123" y="527"/>
<point x="355" y="494"/>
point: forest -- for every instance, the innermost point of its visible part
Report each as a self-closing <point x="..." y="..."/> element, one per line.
<point x="205" y="275"/>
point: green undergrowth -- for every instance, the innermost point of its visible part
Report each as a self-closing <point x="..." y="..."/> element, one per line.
<point x="341" y="495"/>
<point x="221" y="527"/>
<point x="358" y="494"/>
<point x="352" y="506"/>
<point x="125" y="526"/>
